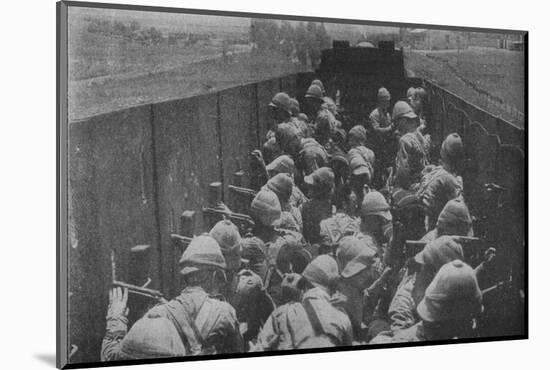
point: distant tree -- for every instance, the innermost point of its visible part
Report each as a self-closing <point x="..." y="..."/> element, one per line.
<point x="323" y="38"/>
<point x="313" y="45"/>
<point x="135" y="26"/>
<point x="155" y="35"/>
<point x="287" y="38"/>
<point x="119" y="28"/>
<point x="301" y="43"/>
<point x="93" y="27"/>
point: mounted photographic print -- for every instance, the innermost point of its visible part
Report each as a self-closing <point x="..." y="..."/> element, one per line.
<point x="235" y="184"/>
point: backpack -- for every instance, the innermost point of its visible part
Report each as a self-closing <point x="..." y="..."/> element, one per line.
<point x="192" y="329"/>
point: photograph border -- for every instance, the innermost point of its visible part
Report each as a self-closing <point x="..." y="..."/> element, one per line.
<point x="62" y="181"/>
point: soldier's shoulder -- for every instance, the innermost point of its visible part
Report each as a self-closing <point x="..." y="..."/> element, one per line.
<point x="222" y="307"/>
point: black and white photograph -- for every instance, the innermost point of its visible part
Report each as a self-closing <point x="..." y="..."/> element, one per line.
<point x="239" y="184"/>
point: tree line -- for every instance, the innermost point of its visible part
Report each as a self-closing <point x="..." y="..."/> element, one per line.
<point x="303" y="42"/>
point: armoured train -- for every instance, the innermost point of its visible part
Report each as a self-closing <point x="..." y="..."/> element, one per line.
<point x="144" y="179"/>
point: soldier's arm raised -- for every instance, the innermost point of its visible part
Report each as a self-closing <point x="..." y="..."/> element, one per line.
<point x="117" y="324"/>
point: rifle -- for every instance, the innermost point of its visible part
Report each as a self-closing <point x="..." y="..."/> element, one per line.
<point x="141" y="291"/>
<point x="412" y="247"/>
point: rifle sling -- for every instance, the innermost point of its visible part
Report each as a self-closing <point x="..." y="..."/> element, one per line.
<point x="186" y="327"/>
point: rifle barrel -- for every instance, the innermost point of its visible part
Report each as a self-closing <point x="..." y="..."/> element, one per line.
<point x="138" y="290"/>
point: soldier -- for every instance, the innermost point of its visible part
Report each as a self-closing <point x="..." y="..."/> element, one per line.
<point x="330" y="105"/>
<point x="280" y="112"/>
<point x="323" y="129"/>
<point x="454" y="219"/>
<point x="229" y="239"/>
<point x="383" y="127"/>
<point x="205" y="324"/>
<point x="339" y="160"/>
<point x="149" y="337"/>
<point x="343" y="222"/>
<point x="298" y="121"/>
<point x="285" y="164"/>
<point x="402" y="310"/>
<point x="410" y="95"/>
<point x="316" y="107"/>
<point x="376" y="221"/>
<point x="380" y="118"/>
<point x="319" y="83"/>
<point x="308" y="154"/>
<point x="359" y="268"/>
<point x="282" y="185"/>
<point x="319" y="207"/>
<point x="417" y="101"/>
<point x="266" y="212"/>
<point x="313" y="322"/>
<point x="361" y="159"/>
<point x="442" y="183"/>
<point x="412" y="148"/>
<point x="312" y="156"/>
<point x="252" y="303"/>
<point x="451" y="303"/>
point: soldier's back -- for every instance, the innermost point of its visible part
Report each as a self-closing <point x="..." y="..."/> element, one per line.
<point x="207" y="325"/>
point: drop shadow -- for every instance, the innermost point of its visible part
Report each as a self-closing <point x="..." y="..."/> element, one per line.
<point x="47" y="358"/>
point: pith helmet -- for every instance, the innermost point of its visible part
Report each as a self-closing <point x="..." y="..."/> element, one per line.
<point x="402" y="109"/>
<point x="383" y="94"/>
<point x="455" y="219"/>
<point x="322" y="271"/>
<point x="321" y="179"/>
<point x="228" y="237"/>
<point x="452" y="148"/>
<point x="152" y="337"/>
<point x="374" y="203"/>
<point x="453" y="294"/>
<point x="281" y="101"/>
<point x="359" y="133"/>
<point x="294" y="107"/>
<point x="282" y="185"/>
<point x="319" y="83"/>
<point x="439" y="252"/>
<point x="203" y="252"/>
<point x="354" y="255"/>
<point x="281" y="164"/>
<point x="315" y="92"/>
<point x="266" y="207"/>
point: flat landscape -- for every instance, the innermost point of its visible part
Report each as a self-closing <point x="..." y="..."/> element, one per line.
<point x="475" y="74"/>
<point x="127" y="62"/>
<point x="111" y="69"/>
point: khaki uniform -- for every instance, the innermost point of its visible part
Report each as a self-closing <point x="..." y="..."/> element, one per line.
<point x="206" y="325"/>
<point x="336" y="227"/>
<point x="297" y="198"/>
<point x="117" y="328"/>
<point x="415" y="333"/>
<point x="379" y="119"/>
<point x="312" y="156"/>
<point x="437" y="187"/>
<point x="215" y="321"/>
<point x="291" y="326"/>
<point x="271" y="149"/>
<point x="410" y="160"/>
<point x="301" y="126"/>
<point x="367" y="155"/>
<point x="402" y="310"/>
<point x="313" y="212"/>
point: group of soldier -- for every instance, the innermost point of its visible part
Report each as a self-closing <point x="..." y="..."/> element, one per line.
<point x="325" y="264"/>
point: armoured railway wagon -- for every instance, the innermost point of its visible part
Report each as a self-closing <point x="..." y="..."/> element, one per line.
<point x="144" y="179"/>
